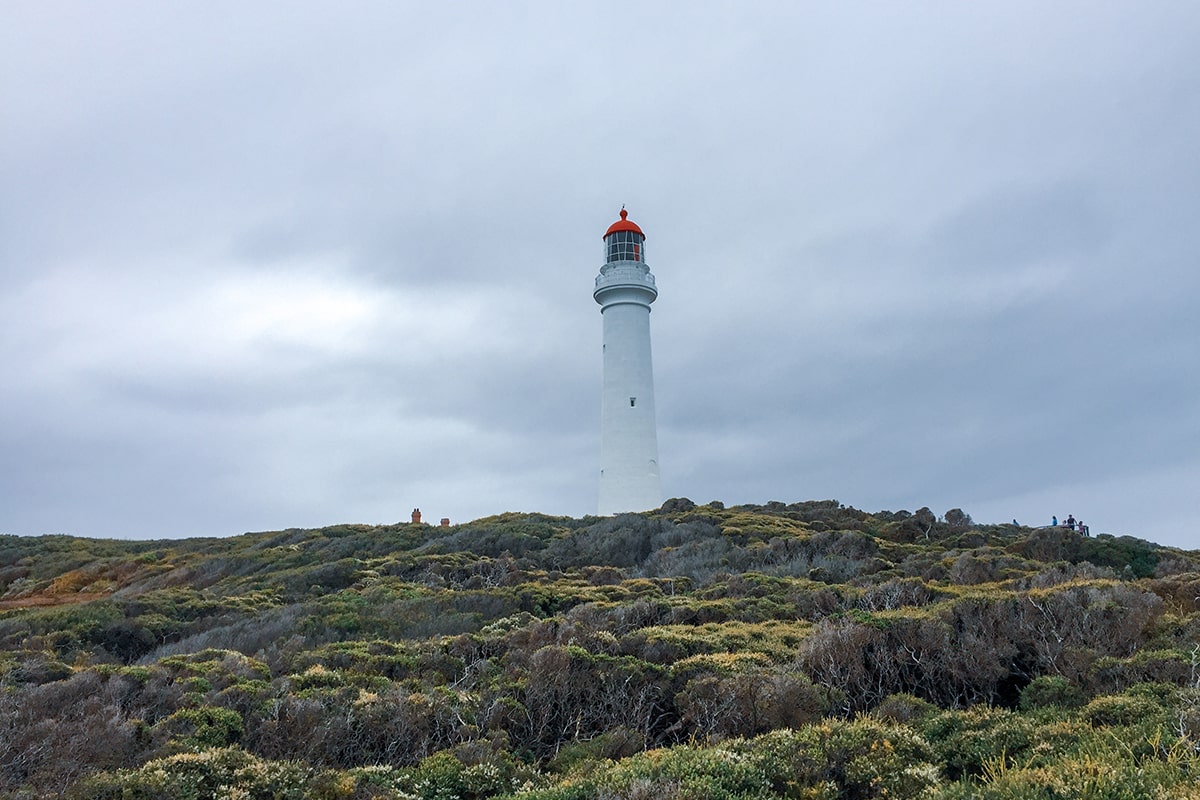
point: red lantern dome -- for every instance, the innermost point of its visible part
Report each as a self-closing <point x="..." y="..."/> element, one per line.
<point x="623" y="224"/>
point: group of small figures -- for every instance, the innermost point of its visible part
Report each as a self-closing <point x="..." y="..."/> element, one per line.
<point x="1071" y="523"/>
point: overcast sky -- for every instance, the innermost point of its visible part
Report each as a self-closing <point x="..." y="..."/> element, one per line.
<point x="266" y="265"/>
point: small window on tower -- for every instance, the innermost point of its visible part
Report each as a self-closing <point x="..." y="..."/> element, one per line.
<point x="632" y="402"/>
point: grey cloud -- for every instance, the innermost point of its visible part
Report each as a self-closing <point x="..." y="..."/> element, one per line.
<point x="293" y="265"/>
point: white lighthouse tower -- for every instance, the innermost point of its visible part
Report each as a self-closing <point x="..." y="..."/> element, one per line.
<point x="628" y="437"/>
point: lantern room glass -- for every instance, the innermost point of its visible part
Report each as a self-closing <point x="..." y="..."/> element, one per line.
<point x="624" y="246"/>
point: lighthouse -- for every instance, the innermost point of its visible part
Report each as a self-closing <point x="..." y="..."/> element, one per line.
<point x="628" y="437"/>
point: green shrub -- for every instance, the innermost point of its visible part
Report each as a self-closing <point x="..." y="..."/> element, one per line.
<point x="863" y="758"/>
<point x="1120" y="709"/>
<point x="1097" y="768"/>
<point x="904" y="708"/>
<point x="1051" y="691"/>
<point x="444" y="776"/>
<point x="965" y="741"/>
<point x="222" y="773"/>
<point x="204" y="727"/>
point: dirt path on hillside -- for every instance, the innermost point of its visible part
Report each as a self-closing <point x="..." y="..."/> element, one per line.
<point x="38" y="600"/>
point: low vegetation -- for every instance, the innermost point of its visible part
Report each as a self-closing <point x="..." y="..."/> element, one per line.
<point x="804" y="650"/>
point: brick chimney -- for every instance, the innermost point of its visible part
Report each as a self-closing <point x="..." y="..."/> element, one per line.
<point x="416" y="516"/>
<point x="445" y="522"/>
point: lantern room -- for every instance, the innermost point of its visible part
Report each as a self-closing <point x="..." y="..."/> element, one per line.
<point x="624" y="241"/>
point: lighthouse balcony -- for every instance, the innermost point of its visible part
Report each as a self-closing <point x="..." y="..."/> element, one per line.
<point x="625" y="273"/>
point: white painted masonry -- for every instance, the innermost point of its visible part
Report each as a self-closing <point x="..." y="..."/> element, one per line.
<point x="629" y="479"/>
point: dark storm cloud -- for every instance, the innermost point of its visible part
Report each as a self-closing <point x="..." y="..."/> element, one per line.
<point x="298" y="264"/>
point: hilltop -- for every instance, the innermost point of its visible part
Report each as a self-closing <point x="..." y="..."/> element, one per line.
<point x="784" y="650"/>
